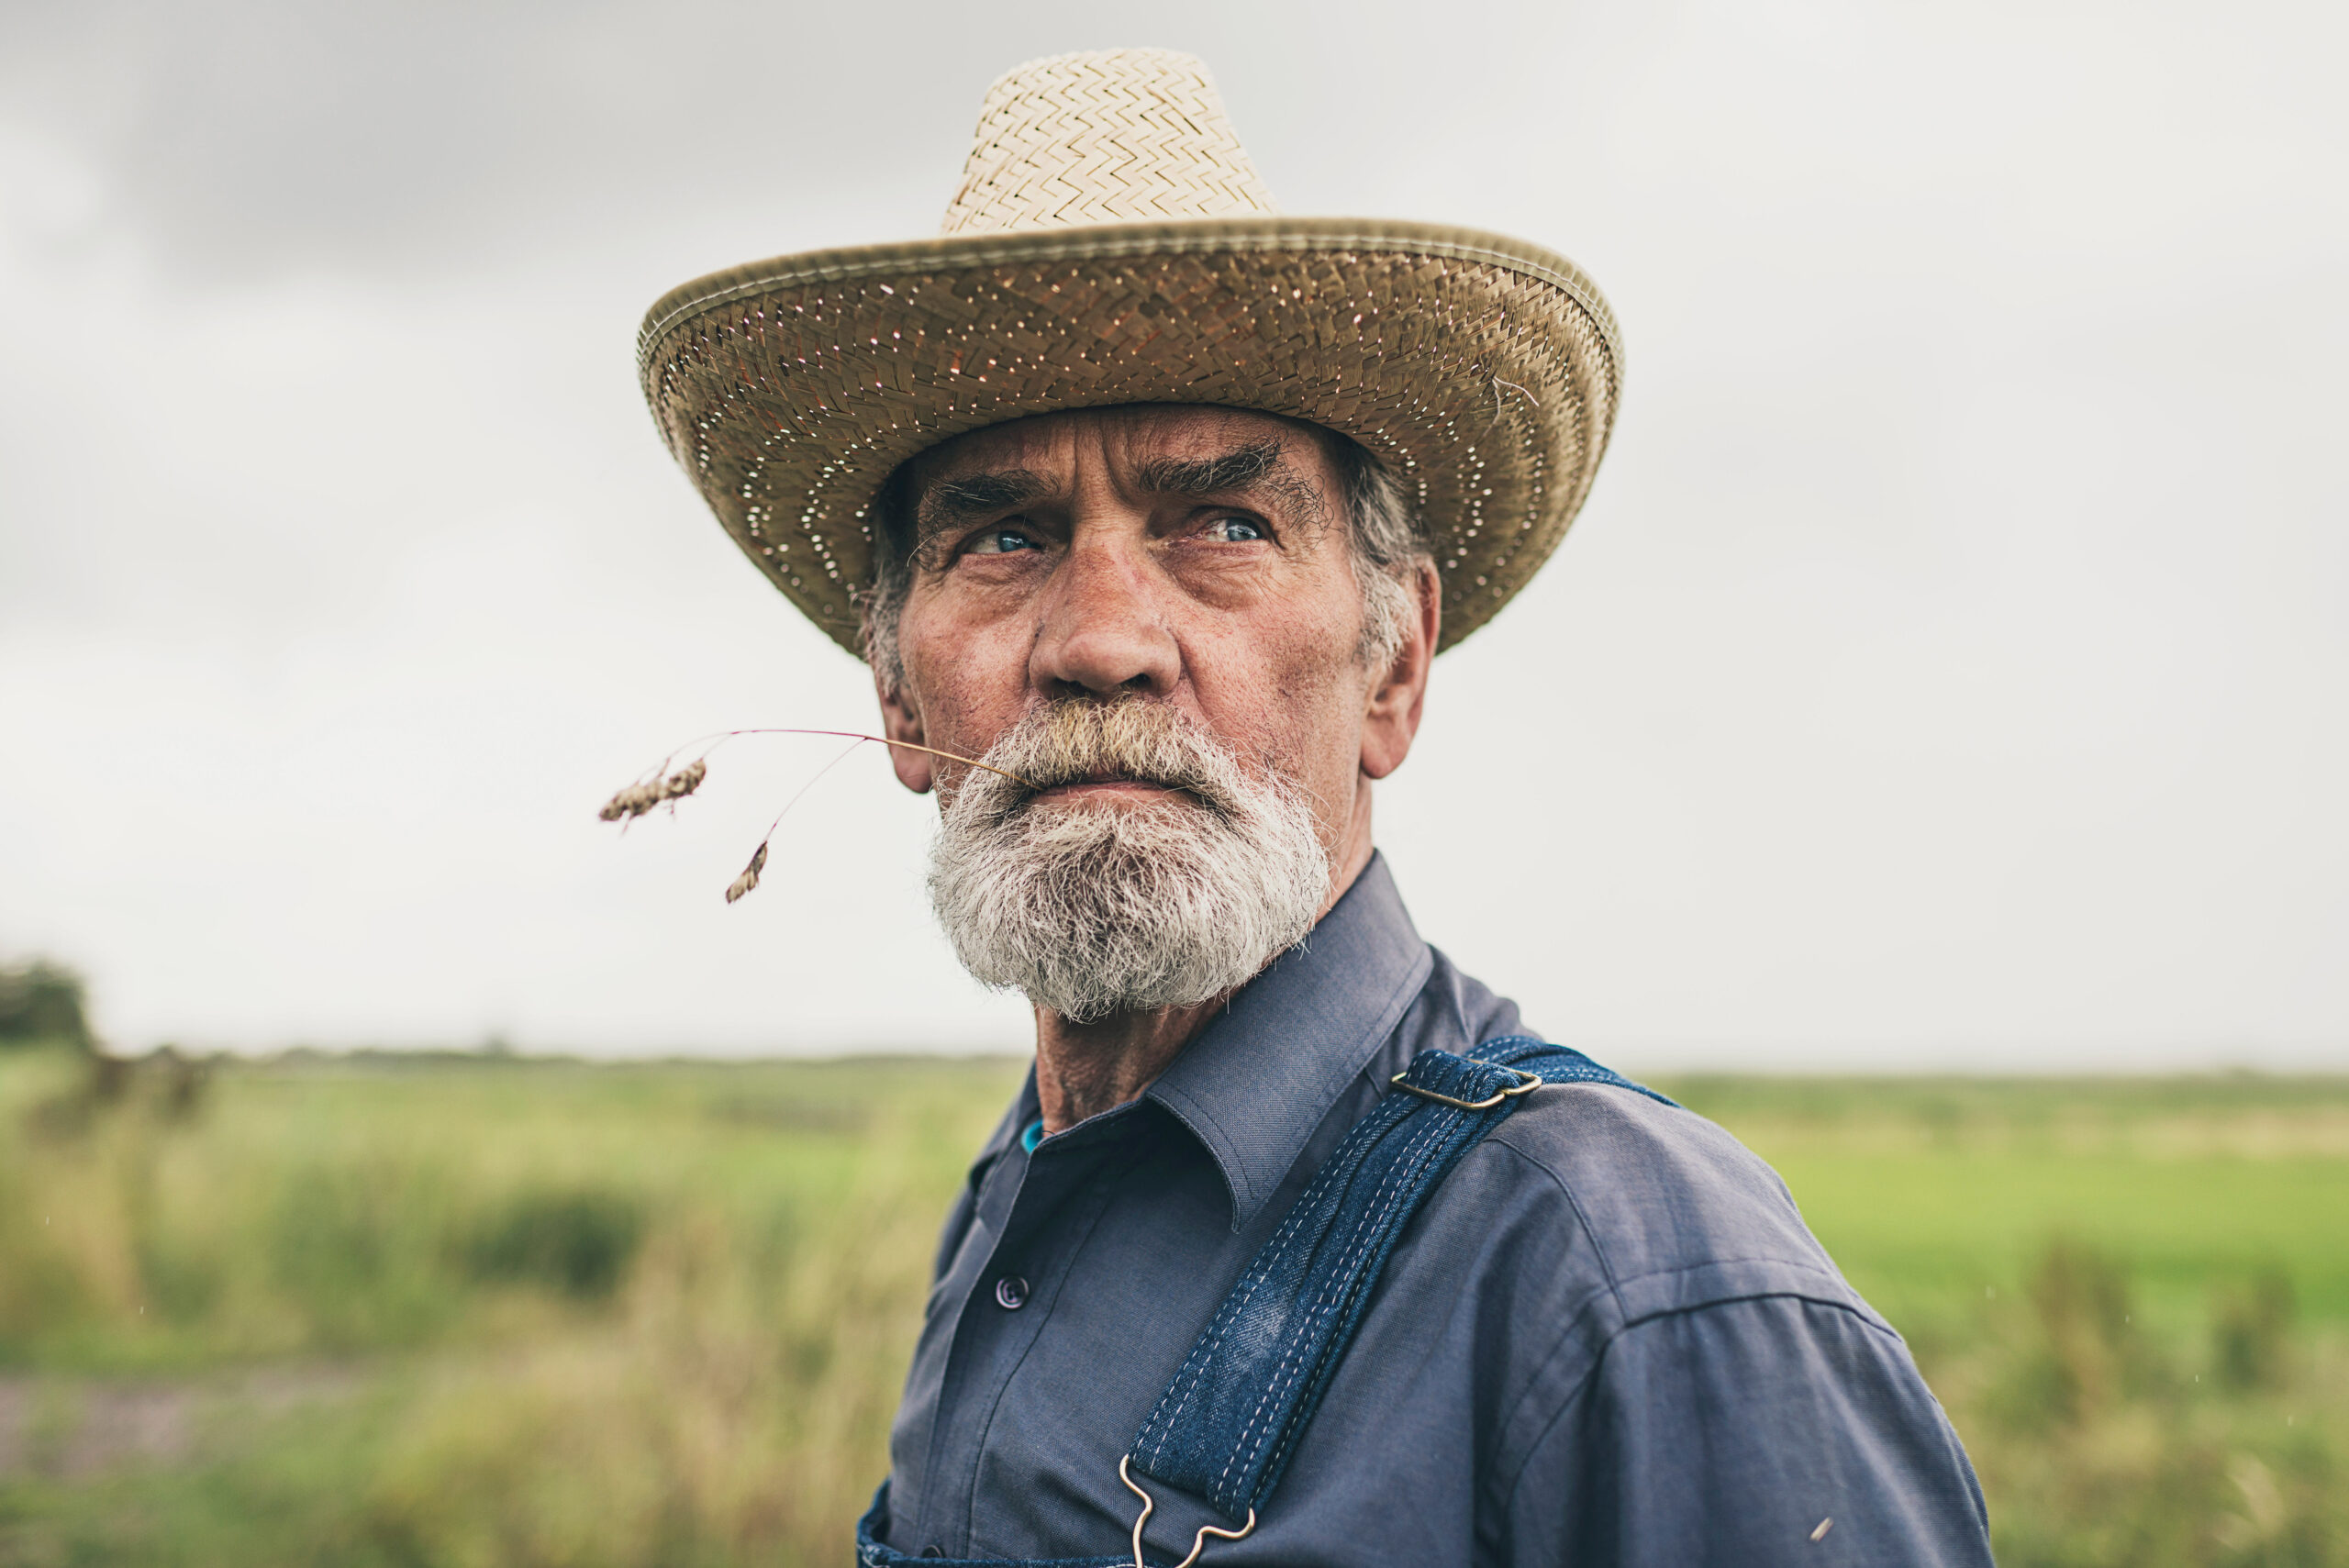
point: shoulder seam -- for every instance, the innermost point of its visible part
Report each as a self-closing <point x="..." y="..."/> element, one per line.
<point x="1843" y="1298"/>
<point x="1567" y="1400"/>
<point x="1581" y="1309"/>
<point x="1606" y="1267"/>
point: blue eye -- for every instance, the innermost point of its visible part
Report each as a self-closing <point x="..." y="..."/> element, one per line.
<point x="1002" y="541"/>
<point x="1236" y="530"/>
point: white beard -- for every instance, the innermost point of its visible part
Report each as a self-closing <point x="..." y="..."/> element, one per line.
<point x="1096" y="910"/>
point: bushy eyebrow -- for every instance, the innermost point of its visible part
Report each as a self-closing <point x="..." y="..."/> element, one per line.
<point x="1256" y="466"/>
<point x="949" y="505"/>
<point x="1243" y="468"/>
<point x="952" y="502"/>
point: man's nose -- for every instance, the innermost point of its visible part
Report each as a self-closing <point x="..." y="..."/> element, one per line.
<point x="1104" y="629"/>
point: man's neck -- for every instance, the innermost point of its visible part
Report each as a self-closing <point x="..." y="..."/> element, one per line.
<point x="1083" y="1069"/>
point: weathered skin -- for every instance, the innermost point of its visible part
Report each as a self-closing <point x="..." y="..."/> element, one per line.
<point x="1239" y="607"/>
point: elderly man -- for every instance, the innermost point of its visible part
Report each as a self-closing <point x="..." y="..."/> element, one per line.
<point x="1296" y="1248"/>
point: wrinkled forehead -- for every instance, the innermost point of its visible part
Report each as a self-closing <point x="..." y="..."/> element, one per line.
<point x="1132" y="438"/>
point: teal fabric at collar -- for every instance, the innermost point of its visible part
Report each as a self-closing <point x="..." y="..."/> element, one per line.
<point x="1254" y="1107"/>
<point x="1607" y="1339"/>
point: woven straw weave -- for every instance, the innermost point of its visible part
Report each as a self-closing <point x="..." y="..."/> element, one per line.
<point x="1128" y="135"/>
<point x="1484" y="371"/>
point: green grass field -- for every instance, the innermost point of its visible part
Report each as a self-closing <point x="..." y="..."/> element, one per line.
<point x="496" y="1313"/>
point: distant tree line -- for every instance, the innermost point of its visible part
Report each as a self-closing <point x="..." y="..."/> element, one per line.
<point x="42" y="1003"/>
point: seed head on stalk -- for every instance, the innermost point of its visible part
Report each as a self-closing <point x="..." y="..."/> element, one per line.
<point x="663" y="788"/>
<point x="644" y="794"/>
<point x="750" y="877"/>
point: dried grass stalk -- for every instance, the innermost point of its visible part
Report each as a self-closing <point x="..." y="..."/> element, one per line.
<point x="665" y="788"/>
<point x="750" y="877"/>
<point x="643" y="796"/>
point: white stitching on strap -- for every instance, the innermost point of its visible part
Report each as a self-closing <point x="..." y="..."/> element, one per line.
<point x="1283" y="1374"/>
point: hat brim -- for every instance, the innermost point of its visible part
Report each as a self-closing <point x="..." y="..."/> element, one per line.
<point x="1483" y="370"/>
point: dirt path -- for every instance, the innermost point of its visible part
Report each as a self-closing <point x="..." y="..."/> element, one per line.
<point x="72" y="1428"/>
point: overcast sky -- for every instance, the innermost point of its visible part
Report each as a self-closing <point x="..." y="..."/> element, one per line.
<point x="1952" y="665"/>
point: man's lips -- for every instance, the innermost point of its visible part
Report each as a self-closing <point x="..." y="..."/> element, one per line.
<point x="1106" y="788"/>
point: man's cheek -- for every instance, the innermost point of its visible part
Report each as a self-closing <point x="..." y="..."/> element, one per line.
<point x="972" y="702"/>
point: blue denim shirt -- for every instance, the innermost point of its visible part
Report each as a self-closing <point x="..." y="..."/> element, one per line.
<point x="1607" y="1339"/>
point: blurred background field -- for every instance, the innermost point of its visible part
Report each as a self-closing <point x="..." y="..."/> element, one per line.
<point x="481" y="1311"/>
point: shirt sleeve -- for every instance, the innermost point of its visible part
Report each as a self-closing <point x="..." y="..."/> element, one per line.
<point x="1757" y="1431"/>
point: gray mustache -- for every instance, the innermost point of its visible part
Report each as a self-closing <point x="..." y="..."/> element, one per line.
<point x="1077" y="742"/>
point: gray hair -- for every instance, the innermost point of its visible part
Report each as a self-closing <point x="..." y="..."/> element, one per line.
<point x="1385" y="537"/>
<point x="1091" y="912"/>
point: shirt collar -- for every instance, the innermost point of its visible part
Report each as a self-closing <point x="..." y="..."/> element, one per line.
<point x="1259" y="1079"/>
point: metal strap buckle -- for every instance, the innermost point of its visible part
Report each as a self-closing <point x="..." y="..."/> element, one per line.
<point x="1532" y="1082"/>
<point x="1150" y="1504"/>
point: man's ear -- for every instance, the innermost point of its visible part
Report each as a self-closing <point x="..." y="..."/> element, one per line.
<point x="901" y="721"/>
<point x="1397" y="693"/>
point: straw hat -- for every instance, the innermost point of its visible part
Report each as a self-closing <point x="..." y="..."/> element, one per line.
<point x="1111" y="243"/>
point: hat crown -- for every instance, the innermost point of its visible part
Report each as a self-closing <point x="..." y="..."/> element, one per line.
<point x="1107" y="135"/>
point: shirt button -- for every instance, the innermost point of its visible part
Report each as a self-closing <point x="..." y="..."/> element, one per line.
<point x="1011" y="1292"/>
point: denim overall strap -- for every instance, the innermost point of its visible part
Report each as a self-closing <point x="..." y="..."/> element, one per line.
<point x="1227" y="1424"/>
